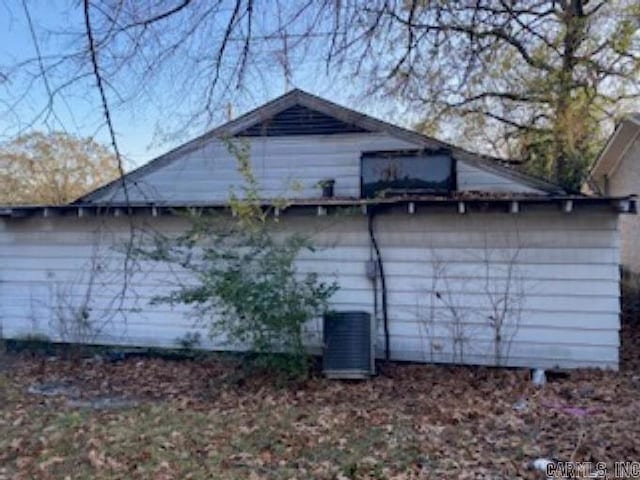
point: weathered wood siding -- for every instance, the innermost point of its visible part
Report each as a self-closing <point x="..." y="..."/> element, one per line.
<point x="472" y="178"/>
<point x="625" y="180"/>
<point x="284" y="167"/>
<point x="566" y="265"/>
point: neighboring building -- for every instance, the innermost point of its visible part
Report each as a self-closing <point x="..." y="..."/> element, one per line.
<point x="465" y="242"/>
<point x="617" y="172"/>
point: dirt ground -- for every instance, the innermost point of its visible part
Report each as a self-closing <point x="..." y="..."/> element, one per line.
<point x="178" y="419"/>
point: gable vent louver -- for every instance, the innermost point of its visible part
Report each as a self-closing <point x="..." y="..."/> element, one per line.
<point x="299" y="120"/>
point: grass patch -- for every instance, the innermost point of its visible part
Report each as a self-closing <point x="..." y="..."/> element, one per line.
<point x="202" y="419"/>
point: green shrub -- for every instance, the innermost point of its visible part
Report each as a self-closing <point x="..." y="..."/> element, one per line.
<point x="247" y="285"/>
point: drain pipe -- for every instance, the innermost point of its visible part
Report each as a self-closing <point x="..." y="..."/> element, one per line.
<point x="383" y="282"/>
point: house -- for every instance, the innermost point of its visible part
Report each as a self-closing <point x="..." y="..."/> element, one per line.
<point x="482" y="264"/>
<point x="617" y="172"/>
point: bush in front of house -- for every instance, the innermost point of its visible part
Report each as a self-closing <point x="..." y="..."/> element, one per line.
<point x="247" y="286"/>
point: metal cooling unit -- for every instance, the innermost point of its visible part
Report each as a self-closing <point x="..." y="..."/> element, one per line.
<point x="349" y="345"/>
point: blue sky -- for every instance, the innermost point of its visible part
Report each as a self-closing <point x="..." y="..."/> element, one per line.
<point x="75" y="114"/>
<point x="140" y="124"/>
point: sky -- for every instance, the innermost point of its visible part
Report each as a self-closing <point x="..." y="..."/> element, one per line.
<point x="143" y="126"/>
<point x="74" y="114"/>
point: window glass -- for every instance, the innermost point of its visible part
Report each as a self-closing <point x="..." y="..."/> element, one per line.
<point x="386" y="174"/>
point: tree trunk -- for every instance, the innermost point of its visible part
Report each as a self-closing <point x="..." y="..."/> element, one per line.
<point x="572" y="17"/>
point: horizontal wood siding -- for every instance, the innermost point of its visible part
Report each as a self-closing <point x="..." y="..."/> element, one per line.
<point x="625" y="180"/>
<point x="565" y="265"/>
<point x="284" y="167"/>
<point x="472" y="178"/>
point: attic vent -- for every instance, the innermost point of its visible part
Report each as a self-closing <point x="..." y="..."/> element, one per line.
<point x="299" y="120"/>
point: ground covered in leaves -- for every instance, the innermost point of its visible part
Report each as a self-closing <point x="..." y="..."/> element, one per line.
<point x="170" y="419"/>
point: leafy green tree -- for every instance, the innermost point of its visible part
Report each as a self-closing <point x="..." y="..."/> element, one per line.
<point x="52" y="169"/>
<point x="247" y="287"/>
<point x="540" y="81"/>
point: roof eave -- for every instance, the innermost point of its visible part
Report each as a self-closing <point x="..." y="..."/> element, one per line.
<point x="345" y="114"/>
<point x="513" y="204"/>
<point x="626" y="132"/>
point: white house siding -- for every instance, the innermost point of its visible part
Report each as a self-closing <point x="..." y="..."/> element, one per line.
<point x="625" y="180"/>
<point x="566" y="265"/>
<point x="284" y="167"/>
<point x="472" y="178"/>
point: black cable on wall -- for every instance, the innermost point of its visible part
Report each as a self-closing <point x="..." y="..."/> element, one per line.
<point x="383" y="283"/>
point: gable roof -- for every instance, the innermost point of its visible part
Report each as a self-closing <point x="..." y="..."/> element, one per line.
<point x="326" y="108"/>
<point x="622" y="138"/>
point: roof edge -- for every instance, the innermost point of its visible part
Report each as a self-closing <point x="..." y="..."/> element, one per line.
<point x="604" y="164"/>
<point x="624" y="204"/>
<point x="297" y="96"/>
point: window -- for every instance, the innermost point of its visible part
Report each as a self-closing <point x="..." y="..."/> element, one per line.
<point x="412" y="172"/>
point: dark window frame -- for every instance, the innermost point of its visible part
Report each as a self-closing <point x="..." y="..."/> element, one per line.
<point x="453" y="176"/>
